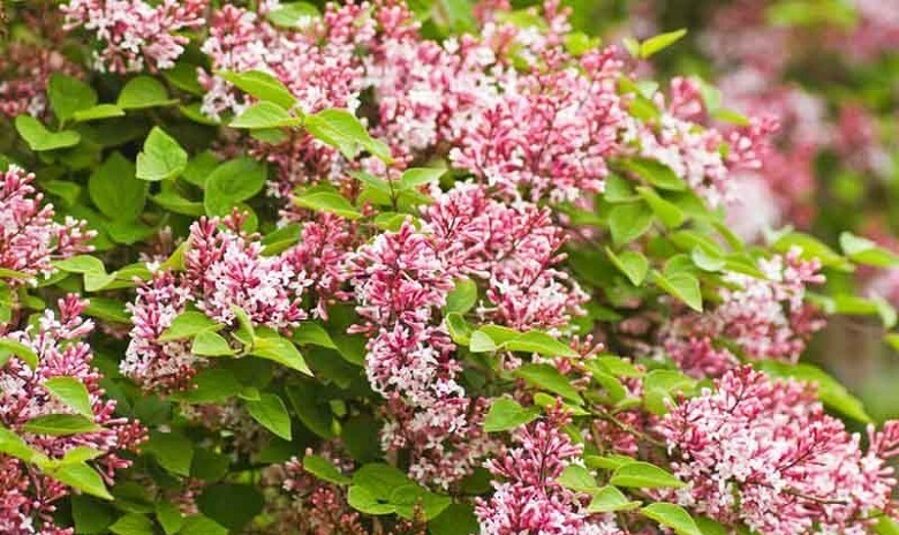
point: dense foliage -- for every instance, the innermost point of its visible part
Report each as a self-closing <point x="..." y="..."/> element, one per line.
<point x="434" y="268"/>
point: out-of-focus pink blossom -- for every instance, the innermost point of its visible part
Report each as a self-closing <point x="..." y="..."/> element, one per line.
<point x="29" y="237"/>
<point x="26" y="71"/>
<point x="764" y="453"/>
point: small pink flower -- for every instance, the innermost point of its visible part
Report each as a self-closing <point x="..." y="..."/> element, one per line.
<point x="29" y="237"/>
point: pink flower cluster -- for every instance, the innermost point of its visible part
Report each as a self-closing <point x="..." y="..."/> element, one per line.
<point x="401" y="280"/>
<point x="224" y="268"/>
<point x="400" y="283"/>
<point x="317" y="64"/>
<point x="529" y="499"/>
<point x="766" y="319"/>
<point x="548" y="134"/>
<point x="28" y="496"/>
<point x="684" y="139"/>
<point x="540" y="133"/>
<point x="764" y="453"/>
<point x="29" y="237"/>
<point x="135" y="35"/>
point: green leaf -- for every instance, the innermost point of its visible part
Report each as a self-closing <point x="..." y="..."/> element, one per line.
<point x="865" y="251"/>
<point x="110" y="310"/>
<point x="173" y="202"/>
<point x="659" y="387"/>
<point x="419" y="176"/>
<point x="539" y="342"/>
<point x="607" y="462"/>
<point x="271" y="412"/>
<point x="682" y="285"/>
<point x="411" y="499"/>
<point x="463" y="297"/>
<point x="457" y="519"/>
<point x="481" y="342"/>
<point x="100" y="111"/>
<point x="706" y="261"/>
<point x="707" y="526"/>
<point x="323" y="199"/>
<point x="81" y="477"/>
<point x="68" y="95"/>
<point x="382" y="479"/>
<point x="459" y="329"/>
<point x="363" y="500"/>
<point x="184" y="77"/>
<point x="210" y="344"/>
<point x="189" y="324"/>
<point x="12" y="444"/>
<point x="263" y="86"/>
<point x="199" y="168"/>
<point x="213" y="386"/>
<point x="202" y="525"/>
<point x="245" y="332"/>
<point x="324" y="469"/>
<point x="619" y="190"/>
<point x="811" y="248"/>
<point x="81" y="264"/>
<point x="72" y="392"/>
<point x="143" y="92"/>
<point x="660" y="42"/>
<point x="115" y="190"/>
<point x="656" y="173"/>
<point x="232" y="182"/>
<point x="886" y="526"/>
<point x="311" y="333"/>
<point x="672" y="516"/>
<point x="547" y="377"/>
<point x="577" y="478"/>
<point x="833" y="394"/>
<point x="169" y="517"/>
<point x="506" y="414"/>
<point x="342" y="130"/>
<point x="314" y="412"/>
<point x="293" y="15"/>
<point x="609" y="499"/>
<point x="133" y="524"/>
<point x="667" y="212"/>
<point x="80" y="454"/>
<point x="628" y="222"/>
<point x="633" y="264"/>
<point x="90" y="515"/>
<point x="162" y="157"/>
<point x="632" y="46"/>
<point x="24" y="352"/>
<point x="618" y="366"/>
<point x="172" y="451"/>
<point x="644" y="476"/>
<point x="264" y="115"/>
<point x="281" y="350"/>
<point x="40" y="139"/>
<point x="59" y="425"/>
